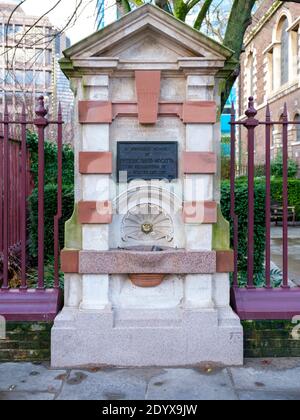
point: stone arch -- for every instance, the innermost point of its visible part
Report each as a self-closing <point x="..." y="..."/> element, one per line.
<point x="283" y="58"/>
<point x="296" y="127"/>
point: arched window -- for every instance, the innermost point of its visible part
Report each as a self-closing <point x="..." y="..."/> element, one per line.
<point x="284" y="40"/>
<point x="297" y="127"/>
<point x="251" y="74"/>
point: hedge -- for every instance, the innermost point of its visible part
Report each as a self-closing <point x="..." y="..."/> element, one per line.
<point x="50" y="150"/>
<point x="50" y="161"/>
<point x="241" y="197"/>
<point x="293" y="190"/>
<point x="50" y="211"/>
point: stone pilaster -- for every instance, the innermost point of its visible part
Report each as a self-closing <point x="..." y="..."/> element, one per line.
<point x="95" y="187"/>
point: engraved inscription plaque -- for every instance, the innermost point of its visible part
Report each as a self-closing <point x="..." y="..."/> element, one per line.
<point x="148" y="160"/>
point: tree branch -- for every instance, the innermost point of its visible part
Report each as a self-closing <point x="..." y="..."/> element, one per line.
<point x="203" y="12"/>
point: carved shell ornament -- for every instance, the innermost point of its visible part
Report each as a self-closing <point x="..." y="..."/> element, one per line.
<point x="147" y="223"/>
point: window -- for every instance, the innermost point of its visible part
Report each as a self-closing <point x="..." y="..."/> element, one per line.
<point x="48" y="57"/>
<point x="20" y="55"/>
<point x="28" y="77"/>
<point x="297" y="128"/>
<point x="284" y="52"/>
<point x="19" y="76"/>
<point x="39" y="56"/>
<point x="251" y="74"/>
<point x="9" y="78"/>
<point x="39" y="78"/>
<point x="1" y="32"/>
<point x="48" y="79"/>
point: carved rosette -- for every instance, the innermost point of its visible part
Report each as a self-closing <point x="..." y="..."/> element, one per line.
<point x="147" y="223"/>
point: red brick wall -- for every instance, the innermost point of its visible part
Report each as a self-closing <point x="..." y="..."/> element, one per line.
<point x="261" y="40"/>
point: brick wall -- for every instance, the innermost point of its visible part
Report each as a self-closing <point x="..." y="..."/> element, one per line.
<point x="26" y="342"/>
<point x="270" y="339"/>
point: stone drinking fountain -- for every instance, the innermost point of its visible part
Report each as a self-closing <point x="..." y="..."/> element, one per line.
<point x="147" y="253"/>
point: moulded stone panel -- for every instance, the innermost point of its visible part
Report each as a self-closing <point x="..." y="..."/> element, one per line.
<point x="225" y="261"/>
<point x="72" y="290"/>
<point x="69" y="261"/>
<point x="125" y="295"/>
<point x="122" y="89"/>
<point x="96" y="81"/>
<point x="203" y="112"/>
<point x="198" y="188"/>
<point x="95" y="162"/>
<point x="199" y="162"/>
<point x="95" y="237"/>
<point x="96" y="187"/>
<point x="95" y="290"/>
<point x="200" y="87"/>
<point x="198" y="291"/>
<point x="148" y="93"/>
<point x="199" y="237"/>
<point x="95" y="212"/>
<point x="221" y="290"/>
<point x="95" y="137"/>
<point x="200" y="212"/>
<point x="95" y="112"/>
<point x="199" y="138"/>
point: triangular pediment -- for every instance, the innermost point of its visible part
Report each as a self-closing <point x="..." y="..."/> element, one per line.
<point x="148" y="46"/>
<point x="145" y="32"/>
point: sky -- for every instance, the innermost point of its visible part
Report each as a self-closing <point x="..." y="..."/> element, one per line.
<point x="85" y="23"/>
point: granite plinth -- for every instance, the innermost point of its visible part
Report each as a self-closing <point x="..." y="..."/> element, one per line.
<point x="143" y="262"/>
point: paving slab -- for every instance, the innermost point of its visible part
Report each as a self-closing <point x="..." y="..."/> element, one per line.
<point x="114" y="384"/>
<point x="259" y="379"/>
<point x="266" y="396"/>
<point x="271" y="375"/>
<point x="191" y="384"/>
<point x="26" y="396"/>
<point x="30" y="378"/>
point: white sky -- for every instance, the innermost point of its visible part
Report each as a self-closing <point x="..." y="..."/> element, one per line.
<point x="85" y="23"/>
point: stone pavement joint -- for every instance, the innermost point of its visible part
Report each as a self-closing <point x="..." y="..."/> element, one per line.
<point x="269" y="379"/>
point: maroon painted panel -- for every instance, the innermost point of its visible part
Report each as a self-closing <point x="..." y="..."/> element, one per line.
<point x="22" y="303"/>
<point x="264" y="304"/>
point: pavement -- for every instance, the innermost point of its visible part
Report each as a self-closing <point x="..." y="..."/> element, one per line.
<point x="270" y="379"/>
<point x="294" y="251"/>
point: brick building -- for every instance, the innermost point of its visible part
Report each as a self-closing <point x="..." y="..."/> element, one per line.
<point x="270" y="71"/>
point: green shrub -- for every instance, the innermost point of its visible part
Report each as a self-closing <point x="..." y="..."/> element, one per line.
<point x="50" y="149"/>
<point x="225" y="167"/>
<point x="277" y="167"/>
<point x="241" y="197"/>
<point x="293" y="190"/>
<point x="50" y="161"/>
<point x="50" y="211"/>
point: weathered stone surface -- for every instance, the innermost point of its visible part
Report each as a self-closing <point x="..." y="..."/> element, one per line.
<point x="105" y="385"/>
<point x="275" y="380"/>
<point x="186" y="342"/>
<point x="184" y="384"/>
<point x="26" y="396"/>
<point x="29" y="378"/>
<point x="267" y="396"/>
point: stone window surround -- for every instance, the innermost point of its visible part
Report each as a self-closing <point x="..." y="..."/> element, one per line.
<point x="274" y="50"/>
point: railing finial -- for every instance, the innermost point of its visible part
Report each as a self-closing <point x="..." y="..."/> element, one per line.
<point x="251" y="111"/>
<point x="41" y="111"/>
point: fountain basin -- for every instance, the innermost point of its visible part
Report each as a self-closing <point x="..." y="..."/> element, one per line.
<point x="133" y="261"/>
